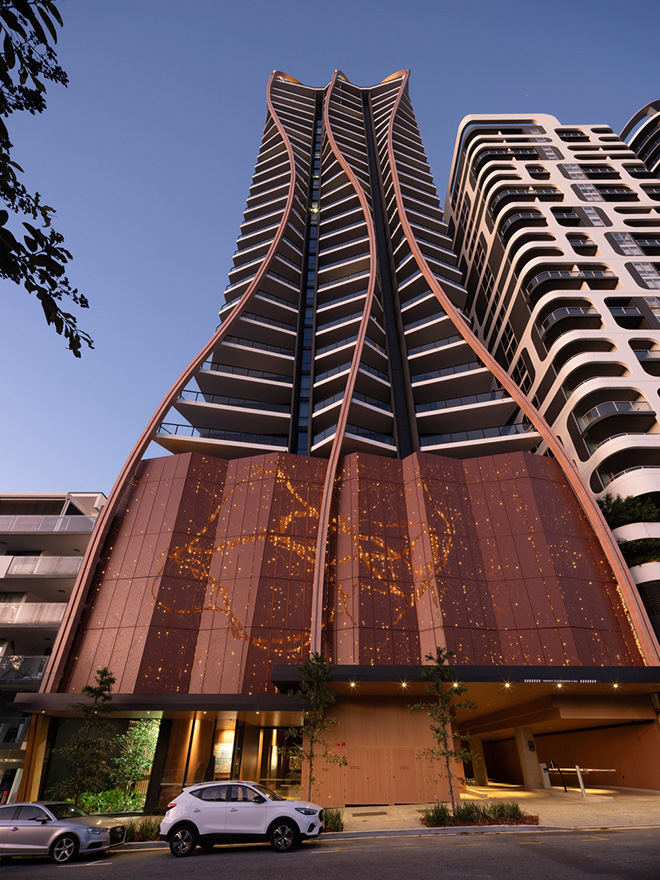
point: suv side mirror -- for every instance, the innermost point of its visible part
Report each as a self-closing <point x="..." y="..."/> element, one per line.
<point x="258" y="799"/>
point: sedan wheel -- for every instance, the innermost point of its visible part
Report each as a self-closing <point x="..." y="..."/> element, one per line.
<point x="283" y="837"/>
<point x="64" y="849"/>
<point x="183" y="841"/>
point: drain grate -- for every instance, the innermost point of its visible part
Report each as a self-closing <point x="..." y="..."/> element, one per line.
<point x="378" y="813"/>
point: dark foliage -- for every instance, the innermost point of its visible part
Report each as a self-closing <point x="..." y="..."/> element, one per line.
<point x="35" y="256"/>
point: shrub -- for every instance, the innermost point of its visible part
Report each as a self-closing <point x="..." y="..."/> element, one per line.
<point x="437" y="816"/>
<point x="621" y="511"/>
<point x="143" y="828"/>
<point x="334" y="819"/>
<point x="641" y="551"/>
<point x="504" y="810"/>
<point x="469" y="813"/>
<point x="112" y="801"/>
<point x="474" y="813"/>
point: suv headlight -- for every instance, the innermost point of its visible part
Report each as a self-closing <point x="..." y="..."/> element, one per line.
<point x="305" y="811"/>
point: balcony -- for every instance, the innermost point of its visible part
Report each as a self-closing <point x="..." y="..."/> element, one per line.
<point x="617" y="414"/>
<point x="519" y="220"/>
<point x="47" y="524"/>
<point x="48" y="614"/>
<point x="569" y="318"/>
<point x="569" y="279"/>
<point x="20" y="670"/>
<point x="43" y="566"/>
<point x="511" y="437"/>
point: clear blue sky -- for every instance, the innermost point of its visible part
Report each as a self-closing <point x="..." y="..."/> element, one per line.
<point x="148" y="155"/>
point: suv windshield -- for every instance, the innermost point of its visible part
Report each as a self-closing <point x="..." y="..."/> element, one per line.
<point x="266" y="792"/>
<point x="66" y="811"/>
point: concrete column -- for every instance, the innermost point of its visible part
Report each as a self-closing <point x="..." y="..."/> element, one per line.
<point x="478" y="761"/>
<point x="529" y="760"/>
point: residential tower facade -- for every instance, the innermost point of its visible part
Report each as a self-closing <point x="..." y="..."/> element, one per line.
<point x="351" y="472"/>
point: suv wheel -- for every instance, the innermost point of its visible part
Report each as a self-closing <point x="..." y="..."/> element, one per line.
<point x="283" y="836"/>
<point x="64" y="849"/>
<point x="183" y="841"/>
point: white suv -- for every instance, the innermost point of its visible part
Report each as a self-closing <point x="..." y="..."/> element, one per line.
<point x="237" y="812"/>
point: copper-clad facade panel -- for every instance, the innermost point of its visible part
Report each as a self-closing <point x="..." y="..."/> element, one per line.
<point x="491" y="557"/>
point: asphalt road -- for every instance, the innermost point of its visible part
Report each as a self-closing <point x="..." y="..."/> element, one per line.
<point x="620" y="855"/>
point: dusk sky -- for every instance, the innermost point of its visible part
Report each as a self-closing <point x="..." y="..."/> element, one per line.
<point x="148" y="155"/>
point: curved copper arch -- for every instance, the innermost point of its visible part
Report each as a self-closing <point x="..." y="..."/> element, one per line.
<point x="55" y="669"/>
<point x="316" y="629"/>
<point x="632" y="602"/>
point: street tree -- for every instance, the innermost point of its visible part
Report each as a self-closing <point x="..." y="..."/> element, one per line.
<point x="449" y="745"/>
<point x="86" y="753"/>
<point x="136" y="754"/>
<point x="317" y="696"/>
<point x="32" y="251"/>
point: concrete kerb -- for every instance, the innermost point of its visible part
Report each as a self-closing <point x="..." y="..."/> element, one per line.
<point x="157" y="845"/>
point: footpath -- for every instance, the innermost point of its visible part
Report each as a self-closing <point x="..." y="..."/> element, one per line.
<point x="602" y="809"/>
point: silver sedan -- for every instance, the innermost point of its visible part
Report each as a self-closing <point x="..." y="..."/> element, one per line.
<point x="56" y="829"/>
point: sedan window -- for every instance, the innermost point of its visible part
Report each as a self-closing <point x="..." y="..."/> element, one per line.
<point x="67" y="811"/>
<point x="31" y="811"/>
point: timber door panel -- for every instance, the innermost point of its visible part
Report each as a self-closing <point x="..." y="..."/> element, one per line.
<point x="367" y="776"/>
<point x="405" y="788"/>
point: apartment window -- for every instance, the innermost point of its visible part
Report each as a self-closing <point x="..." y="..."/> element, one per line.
<point x="550" y="152"/>
<point x="573" y="134"/>
<point x="626" y="244"/>
<point x="587" y="192"/>
<point x="508" y="340"/>
<point x="488" y="281"/>
<point x="653" y="302"/>
<point x="521" y="376"/>
<point x="593" y="216"/>
<point x="649" y="275"/>
<point x="479" y="257"/>
<point x="573" y="171"/>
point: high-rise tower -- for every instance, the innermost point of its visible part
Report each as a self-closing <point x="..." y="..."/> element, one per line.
<point x="558" y="232"/>
<point x="350" y="473"/>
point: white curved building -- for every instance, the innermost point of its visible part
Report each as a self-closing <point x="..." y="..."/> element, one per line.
<point x="557" y="229"/>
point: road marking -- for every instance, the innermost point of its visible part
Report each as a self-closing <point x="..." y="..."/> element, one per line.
<point x="527" y="842"/>
<point x="413" y="847"/>
<point x="86" y="865"/>
<point x="584" y="839"/>
<point x="469" y="844"/>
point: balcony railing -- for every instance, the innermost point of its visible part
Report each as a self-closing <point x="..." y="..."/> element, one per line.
<point x="568" y="312"/>
<point x="357" y="431"/>
<point x="476" y="434"/>
<point x="243" y="371"/>
<point x="357" y="395"/>
<point x="467" y="400"/>
<point x="32" y="613"/>
<point x="571" y="275"/>
<point x="244" y="403"/>
<point x="614" y="407"/>
<point x="22" y="669"/>
<point x="23" y="523"/>
<point x="44" y="566"/>
<point x="448" y="371"/>
<point x="231" y="436"/>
